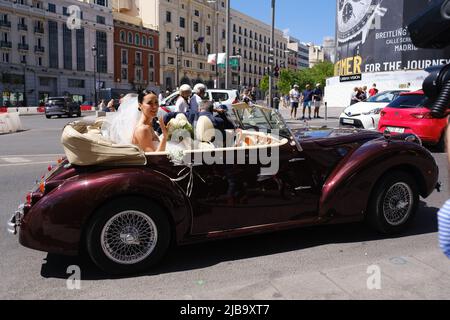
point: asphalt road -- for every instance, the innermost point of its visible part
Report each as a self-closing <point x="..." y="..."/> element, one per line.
<point x="327" y="262"/>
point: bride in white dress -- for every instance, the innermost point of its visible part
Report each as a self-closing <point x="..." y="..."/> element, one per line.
<point x="132" y="124"/>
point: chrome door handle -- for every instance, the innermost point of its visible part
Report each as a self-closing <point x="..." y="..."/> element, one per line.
<point x="296" y="160"/>
<point x="302" y="188"/>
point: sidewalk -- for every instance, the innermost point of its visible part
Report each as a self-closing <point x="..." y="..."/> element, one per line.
<point x="330" y="116"/>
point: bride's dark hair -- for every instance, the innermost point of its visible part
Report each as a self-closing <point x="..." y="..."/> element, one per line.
<point x="142" y="94"/>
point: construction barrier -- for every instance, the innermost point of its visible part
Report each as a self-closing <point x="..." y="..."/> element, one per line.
<point x="10" y="122"/>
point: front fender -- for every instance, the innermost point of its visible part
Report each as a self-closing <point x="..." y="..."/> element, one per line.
<point x="55" y="223"/>
<point x="347" y="191"/>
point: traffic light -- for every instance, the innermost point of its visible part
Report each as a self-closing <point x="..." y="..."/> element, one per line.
<point x="276" y="72"/>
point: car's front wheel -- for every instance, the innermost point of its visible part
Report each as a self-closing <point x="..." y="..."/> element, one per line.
<point x="128" y="236"/>
<point x="394" y="203"/>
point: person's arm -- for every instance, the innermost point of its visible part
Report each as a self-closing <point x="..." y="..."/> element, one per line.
<point x="444" y="228"/>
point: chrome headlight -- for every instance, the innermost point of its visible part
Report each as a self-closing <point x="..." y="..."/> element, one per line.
<point x="372" y="112"/>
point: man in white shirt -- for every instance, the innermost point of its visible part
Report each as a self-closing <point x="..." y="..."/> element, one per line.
<point x="182" y="104"/>
<point x="294" y="95"/>
<point x="196" y="100"/>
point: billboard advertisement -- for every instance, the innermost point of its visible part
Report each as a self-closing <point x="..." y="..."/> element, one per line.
<point x="372" y="36"/>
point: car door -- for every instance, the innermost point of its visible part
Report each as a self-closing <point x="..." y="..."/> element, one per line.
<point x="231" y="196"/>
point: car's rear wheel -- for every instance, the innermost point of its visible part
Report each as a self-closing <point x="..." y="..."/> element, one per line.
<point x="128" y="236"/>
<point x="394" y="203"/>
<point x="48" y="117"/>
<point x="440" y="146"/>
<point x="79" y="114"/>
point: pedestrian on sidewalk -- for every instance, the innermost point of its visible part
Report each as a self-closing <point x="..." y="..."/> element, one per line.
<point x="307" y="98"/>
<point x="294" y="95"/>
<point x="317" y="100"/>
<point x="444" y="215"/>
<point x="355" y="96"/>
<point x="373" y="91"/>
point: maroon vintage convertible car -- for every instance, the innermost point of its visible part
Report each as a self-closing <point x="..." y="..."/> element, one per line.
<point x="126" y="214"/>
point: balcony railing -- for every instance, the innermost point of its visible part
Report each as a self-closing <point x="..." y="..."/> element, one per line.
<point x="39" y="49"/>
<point x="22" y="27"/>
<point x="23" y="46"/>
<point x="38" y="29"/>
<point x="5" y="24"/>
<point x="5" y="44"/>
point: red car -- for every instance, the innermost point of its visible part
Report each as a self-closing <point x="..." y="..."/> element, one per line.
<point x="409" y="114"/>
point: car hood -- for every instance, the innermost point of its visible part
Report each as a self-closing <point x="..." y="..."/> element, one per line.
<point x="362" y="107"/>
<point x="330" y="136"/>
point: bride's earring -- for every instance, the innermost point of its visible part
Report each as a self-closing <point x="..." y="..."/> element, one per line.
<point x="139" y="109"/>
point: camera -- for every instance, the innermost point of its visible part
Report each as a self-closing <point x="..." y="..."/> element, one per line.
<point x="431" y="30"/>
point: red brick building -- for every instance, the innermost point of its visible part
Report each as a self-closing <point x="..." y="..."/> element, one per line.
<point x="136" y="57"/>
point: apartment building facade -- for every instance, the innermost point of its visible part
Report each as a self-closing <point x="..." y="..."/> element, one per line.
<point x="201" y="29"/>
<point x="46" y="49"/>
<point x="299" y="53"/>
<point x="136" y="51"/>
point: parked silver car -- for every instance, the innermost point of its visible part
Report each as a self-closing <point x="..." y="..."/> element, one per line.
<point x="61" y="106"/>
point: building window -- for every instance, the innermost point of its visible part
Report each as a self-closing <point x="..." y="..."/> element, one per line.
<point x="124" y="57"/>
<point x="169" y="40"/>
<point x="53" y="44"/>
<point x="138" y="75"/>
<point x="101" y="20"/>
<point x="51" y="8"/>
<point x="124" y="74"/>
<point x="144" y="41"/>
<point x="151" y="61"/>
<point x="151" y="76"/>
<point x="168" y="16"/>
<point x="137" y="39"/>
<point x="103" y="3"/>
<point x="67" y="47"/>
<point x="5" y="57"/>
<point x="130" y="38"/>
<point x="196" y="26"/>
<point x="122" y="36"/>
<point x="81" y="64"/>
<point x="138" y="59"/>
<point x="39" y="61"/>
<point x="76" y="83"/>
<point x="102" y="54"/>
<point x="197" y="13"/>
<point x="208" y="30"/>
<point x="150" y="42"/>
<point x="170" y="60"/>
<point x="182" y="22"/>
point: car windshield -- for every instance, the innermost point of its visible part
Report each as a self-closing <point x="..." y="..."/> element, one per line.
<point x="55" y="101"/>
<point x="219" y="96"/>
<point x="262" y="119"/>
<point x="384" y="97"/>
<point x="409" y="101"/>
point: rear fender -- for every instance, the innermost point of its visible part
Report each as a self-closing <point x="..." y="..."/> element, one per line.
<point x="347" y="191"/>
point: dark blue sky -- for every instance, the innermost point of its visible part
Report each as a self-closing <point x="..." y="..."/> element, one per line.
<point x="307" y="20"/>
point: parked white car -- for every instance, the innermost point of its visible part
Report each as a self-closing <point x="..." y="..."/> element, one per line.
<point x="366" y="114"/>
<point x="218" y="96"/>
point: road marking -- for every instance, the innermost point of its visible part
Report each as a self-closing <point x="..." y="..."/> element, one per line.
<point x="55" y="155"/>
<point x="15" y="160"/>
<point x="23" y="164"/>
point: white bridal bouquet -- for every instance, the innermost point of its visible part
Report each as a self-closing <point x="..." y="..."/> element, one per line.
<point x="180" y="137"/>
<point x="179" y="128"/>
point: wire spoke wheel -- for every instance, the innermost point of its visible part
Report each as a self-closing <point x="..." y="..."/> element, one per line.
<point x="397" y="204"/>
<point x="129" y="237"/>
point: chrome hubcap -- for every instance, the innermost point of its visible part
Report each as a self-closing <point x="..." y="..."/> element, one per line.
<point x="397" y="204"/>
<point x="129" y="237"/>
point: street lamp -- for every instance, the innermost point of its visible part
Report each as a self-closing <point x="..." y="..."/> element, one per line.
<point x="94" y="54"/>
<point x="177" y="45"/>
<point x="217" y="15"/>
<point x="24" y="64"/>
<point x="272" y="51"/>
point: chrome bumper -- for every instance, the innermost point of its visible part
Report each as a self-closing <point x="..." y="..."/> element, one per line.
<point x="14" y="222"/>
